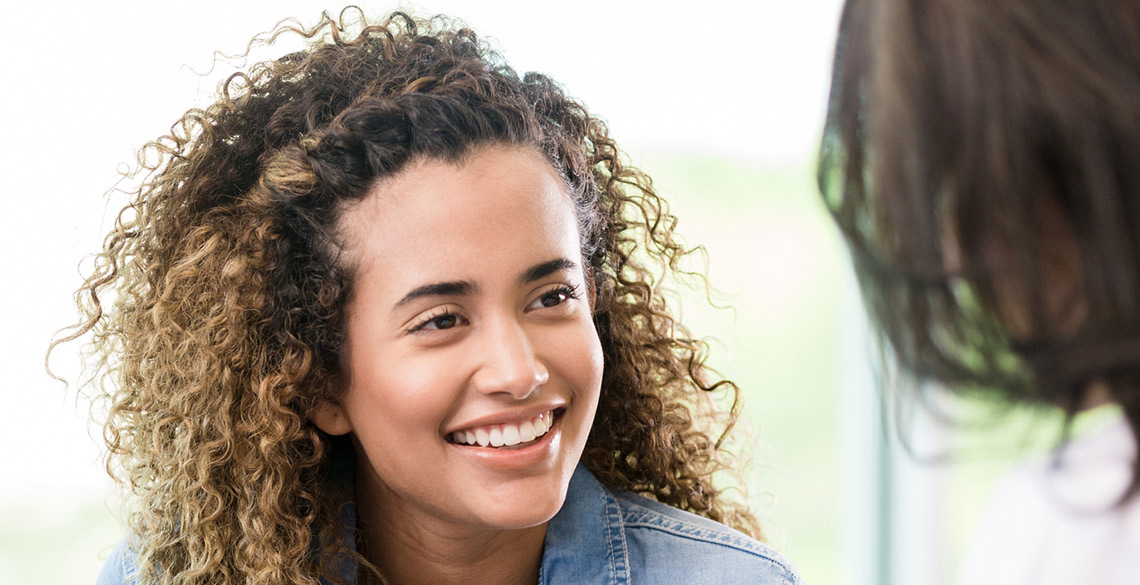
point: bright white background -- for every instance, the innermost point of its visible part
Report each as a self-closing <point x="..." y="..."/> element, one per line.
<point x="84" y="85"/>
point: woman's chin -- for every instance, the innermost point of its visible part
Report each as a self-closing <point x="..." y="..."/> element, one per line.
<point x="524" y="513"/>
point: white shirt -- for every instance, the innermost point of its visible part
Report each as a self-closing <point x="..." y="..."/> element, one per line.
<point x="1049" y="524"/>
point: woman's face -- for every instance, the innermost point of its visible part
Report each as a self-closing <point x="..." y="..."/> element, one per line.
<point x="470" y="322"/>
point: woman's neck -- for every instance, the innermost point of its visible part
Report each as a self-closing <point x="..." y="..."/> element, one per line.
<point x="412" y="548"/>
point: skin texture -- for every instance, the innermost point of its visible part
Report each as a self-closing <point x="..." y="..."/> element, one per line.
<point x="503" y="347"/>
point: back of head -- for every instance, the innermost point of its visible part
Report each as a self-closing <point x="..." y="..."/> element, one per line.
<point x="981" y="159"/>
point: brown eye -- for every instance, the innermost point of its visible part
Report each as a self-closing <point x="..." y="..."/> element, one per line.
<point x="553" y="298"/>
<point x="442" y="322"/>
<point x="439" y="320"/>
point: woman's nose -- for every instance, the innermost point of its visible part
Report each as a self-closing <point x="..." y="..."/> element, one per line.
<point x="510" y="364"/>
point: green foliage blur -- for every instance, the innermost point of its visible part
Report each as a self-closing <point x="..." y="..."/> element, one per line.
<point x="774" y="257"/>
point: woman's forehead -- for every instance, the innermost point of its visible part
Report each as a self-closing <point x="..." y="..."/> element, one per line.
<point x="497" y="206"/>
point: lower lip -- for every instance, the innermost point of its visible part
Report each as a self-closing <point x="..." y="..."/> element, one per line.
<point x="519" y="458"/>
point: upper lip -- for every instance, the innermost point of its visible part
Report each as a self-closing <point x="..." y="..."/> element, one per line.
<point x="515" y="416"/>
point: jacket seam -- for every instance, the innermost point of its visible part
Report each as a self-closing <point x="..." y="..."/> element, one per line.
<point x="619" y="565"/>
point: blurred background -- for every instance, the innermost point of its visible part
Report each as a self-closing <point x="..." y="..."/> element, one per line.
<point x="721" y="102"/>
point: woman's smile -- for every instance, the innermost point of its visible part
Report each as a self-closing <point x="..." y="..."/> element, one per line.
<point x="507" y="434"/>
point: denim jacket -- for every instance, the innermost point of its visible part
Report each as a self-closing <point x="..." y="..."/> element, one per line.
<point x="604" y="538"/>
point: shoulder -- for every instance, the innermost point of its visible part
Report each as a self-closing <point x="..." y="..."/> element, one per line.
<point x="667" y="545"/>
<point x="1055" y="518"/>
<point x="119" y="569"/>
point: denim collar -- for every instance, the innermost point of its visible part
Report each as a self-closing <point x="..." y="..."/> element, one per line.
<point x="585" y="541"/>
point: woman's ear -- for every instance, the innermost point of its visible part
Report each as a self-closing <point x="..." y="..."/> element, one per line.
<point x="330" y="418"/>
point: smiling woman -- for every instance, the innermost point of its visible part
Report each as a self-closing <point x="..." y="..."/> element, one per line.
<point x="387" y="311"/>
<point x="500" y="338"/>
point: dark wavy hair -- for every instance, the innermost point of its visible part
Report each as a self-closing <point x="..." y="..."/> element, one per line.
<point x="227" y="317"/>
<point x="981" y="158"/>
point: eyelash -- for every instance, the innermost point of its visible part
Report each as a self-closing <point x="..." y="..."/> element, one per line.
<point x="440" y="314"/>
<point x="570" y="292"/>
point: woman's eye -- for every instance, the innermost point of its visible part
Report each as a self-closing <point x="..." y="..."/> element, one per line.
<point x="554" y="297"/>
<point x="438" y="322"/>
<point x="441" y="322"/>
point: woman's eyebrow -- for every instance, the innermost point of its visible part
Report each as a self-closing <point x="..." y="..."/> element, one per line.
<point x="460" y="288"/>
<point x="456" y="288"/>
<point x="546" y="269"/>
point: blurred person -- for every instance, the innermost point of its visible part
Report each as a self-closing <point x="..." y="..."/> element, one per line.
<point x="982" y="159"/>
<point x="388" y="311"/>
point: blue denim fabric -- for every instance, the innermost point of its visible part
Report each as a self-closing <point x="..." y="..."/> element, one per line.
<point x="604" y="538"/>
<point x="119" y="568"/>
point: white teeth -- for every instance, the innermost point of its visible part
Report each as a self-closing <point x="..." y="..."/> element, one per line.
<point x="526" y="432"/>
<point x="511" y="435"/>
<point x="506" y="435"/>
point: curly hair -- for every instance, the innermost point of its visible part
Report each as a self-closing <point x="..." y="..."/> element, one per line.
<point x="214" y="312"/>
<point x="980" y="158"/>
